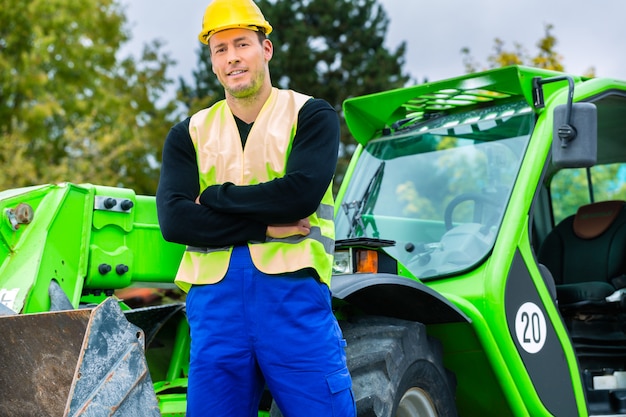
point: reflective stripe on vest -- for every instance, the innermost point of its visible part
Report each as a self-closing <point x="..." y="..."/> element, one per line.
<point x="221" y="159"/>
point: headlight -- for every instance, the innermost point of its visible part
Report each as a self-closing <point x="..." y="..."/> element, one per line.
<point x="343" y="262"/>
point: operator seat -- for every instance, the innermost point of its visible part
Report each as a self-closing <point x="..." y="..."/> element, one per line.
<point x="586" y="254"/>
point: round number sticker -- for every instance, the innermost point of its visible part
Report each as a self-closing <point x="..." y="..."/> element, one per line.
<point x="530" y="327"/>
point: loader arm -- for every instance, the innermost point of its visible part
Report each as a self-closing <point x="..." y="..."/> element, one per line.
<point x="90" y="240"/>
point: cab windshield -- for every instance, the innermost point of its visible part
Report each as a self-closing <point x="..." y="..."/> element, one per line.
<point x="439" y="188"/>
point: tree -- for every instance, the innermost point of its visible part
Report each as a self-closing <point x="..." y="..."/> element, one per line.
<point x="331" y="49"/>
<point x="546" y="57"/>
<point x="70" y="109"/>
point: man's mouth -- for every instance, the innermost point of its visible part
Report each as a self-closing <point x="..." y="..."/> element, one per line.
<point x="236" y="72"/>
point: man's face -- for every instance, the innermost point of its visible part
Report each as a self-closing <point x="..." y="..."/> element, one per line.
<point x="239" y="61"/>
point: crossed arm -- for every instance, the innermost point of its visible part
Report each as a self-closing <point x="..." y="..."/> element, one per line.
<point x="299" y="227"/>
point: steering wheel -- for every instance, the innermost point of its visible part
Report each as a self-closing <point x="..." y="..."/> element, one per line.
<point x="479" y="199"/>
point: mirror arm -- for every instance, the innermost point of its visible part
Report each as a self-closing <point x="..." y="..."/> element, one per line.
<point x="566" y="132"/>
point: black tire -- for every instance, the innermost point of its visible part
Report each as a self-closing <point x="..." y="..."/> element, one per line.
<point x="396" y="369"/>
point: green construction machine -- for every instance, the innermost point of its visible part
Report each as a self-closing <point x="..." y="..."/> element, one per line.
<point x="480" y="265"/>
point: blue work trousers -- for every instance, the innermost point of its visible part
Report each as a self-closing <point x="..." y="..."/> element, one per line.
<point x="252" y="329"/>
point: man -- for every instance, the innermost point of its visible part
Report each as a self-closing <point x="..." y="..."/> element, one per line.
<point x="246" y="185"/>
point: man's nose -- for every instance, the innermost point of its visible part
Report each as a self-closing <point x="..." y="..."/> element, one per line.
<point x="233" y="56"/>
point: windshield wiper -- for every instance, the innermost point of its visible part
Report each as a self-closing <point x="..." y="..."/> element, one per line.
<point x="359" y="206"/>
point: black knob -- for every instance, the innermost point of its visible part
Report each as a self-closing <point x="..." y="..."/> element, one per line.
<point x="126" y="205"/>
<point x="110" y="202"/>
<point x="104" y="269"/>
<point x="121" y="269"/>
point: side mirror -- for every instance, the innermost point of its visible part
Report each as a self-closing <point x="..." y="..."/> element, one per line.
<point x="575" y="131"/>
<point x="575" y="141"/>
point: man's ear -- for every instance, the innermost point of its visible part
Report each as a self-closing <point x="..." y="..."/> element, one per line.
<point x="268" y="49"/>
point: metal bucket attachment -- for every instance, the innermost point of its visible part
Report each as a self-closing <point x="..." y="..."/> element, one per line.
<point x="73" y="363"/>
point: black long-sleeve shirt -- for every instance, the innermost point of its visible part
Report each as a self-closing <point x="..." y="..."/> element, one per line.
<point x="234" y="214"/>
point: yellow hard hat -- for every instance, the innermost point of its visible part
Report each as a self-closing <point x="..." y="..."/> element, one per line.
<point x="230" y="14"/>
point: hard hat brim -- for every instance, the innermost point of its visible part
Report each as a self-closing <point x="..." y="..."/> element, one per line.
<point x="204" y="36"/>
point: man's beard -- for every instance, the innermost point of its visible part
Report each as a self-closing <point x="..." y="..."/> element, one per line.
<point x="247" y="91"/>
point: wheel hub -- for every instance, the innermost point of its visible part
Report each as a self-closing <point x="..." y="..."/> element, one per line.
<point x="416" y="403"/>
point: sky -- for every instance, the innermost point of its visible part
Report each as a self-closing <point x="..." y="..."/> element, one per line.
<point x="589" y="33"/>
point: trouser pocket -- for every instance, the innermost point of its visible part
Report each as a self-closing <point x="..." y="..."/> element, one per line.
<point x="340" y="386"/>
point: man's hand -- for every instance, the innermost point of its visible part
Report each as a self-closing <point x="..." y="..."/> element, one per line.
<point x="302" y="227"/>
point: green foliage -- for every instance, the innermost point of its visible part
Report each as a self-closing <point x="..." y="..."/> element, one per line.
<point x="70" y="109"/>
<point x="331" y="49"/>
<point x="546" y="57"/>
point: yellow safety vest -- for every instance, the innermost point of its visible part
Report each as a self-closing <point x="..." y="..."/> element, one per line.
<point x="221" y="159"/>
